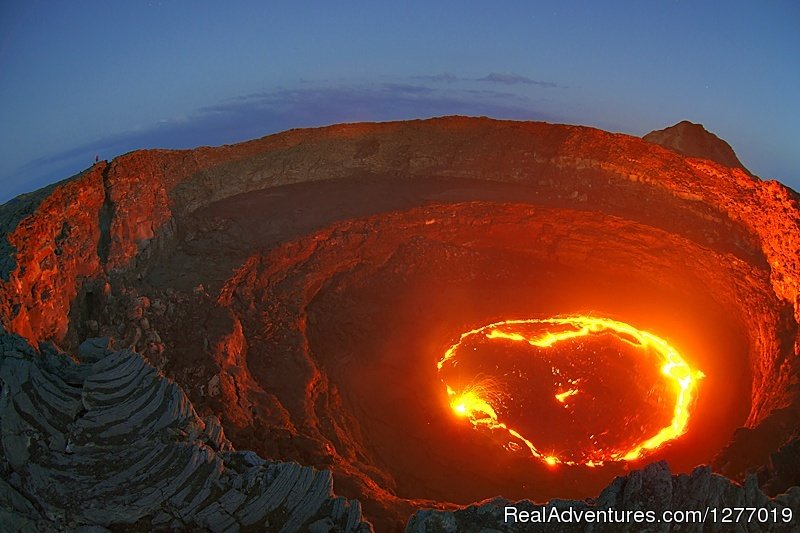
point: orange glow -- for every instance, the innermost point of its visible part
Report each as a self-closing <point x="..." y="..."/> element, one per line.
<point x="478" y="401"/>
<point x="562" y="396"/>
<point x="474" y="400"/>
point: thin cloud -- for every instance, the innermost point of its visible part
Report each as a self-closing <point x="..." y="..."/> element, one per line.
<point x="515" y="79"/>
<point x="446" y="77"/>
<point x="508" y="78"/>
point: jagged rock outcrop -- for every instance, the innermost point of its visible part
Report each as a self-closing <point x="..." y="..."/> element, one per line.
<point x="693" y="140"/>
<point x="109" y="442"/>
<point x="652" y="490"/>
<point x="281" y="281"/>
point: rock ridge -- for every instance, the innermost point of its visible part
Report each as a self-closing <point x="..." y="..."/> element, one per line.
<point x="693" y="140"/>
<point x="109" y="443"/>
<point x="653" y="489"/>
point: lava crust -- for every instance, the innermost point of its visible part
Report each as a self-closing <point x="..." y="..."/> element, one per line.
<point x="302" y="287"/>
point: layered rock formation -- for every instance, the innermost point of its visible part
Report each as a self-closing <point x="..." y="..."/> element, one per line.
<point x="280" y="282"/>
<point x="108" y="442"/>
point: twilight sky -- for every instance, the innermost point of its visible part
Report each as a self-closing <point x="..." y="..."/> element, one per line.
<point x="106" y="77"/>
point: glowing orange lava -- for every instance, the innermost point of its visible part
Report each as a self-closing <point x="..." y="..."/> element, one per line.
<point x="562" y="396"/>
<point x="480" y="400"/>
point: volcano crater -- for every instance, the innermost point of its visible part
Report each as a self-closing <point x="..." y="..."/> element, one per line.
<point x="375" y="328"/>
<point x="304" y="286"/>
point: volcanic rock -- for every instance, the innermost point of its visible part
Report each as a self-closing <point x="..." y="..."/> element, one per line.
<point x="301" y="287"/>
<point x="693" y="140"/>
<point x="652" y="489"/>
<point x="109" y="442"/>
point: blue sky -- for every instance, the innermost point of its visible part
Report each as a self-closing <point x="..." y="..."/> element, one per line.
<point x="85" y="78"/>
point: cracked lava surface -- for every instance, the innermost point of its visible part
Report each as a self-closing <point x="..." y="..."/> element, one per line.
<point x="588" y="390"/>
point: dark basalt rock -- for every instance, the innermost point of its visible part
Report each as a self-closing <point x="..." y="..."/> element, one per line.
<point x="653" y="489"/>
<point x="109" y="442"/>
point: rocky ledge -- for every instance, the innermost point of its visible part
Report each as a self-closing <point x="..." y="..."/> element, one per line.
<point x="652" y="490"/>
<point x="109" y="443"/>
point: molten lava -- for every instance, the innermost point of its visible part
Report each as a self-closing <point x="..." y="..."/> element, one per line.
<point x="612" y="391"/>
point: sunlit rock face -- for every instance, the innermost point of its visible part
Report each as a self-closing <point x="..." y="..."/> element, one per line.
<point x="304" y="286"/>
